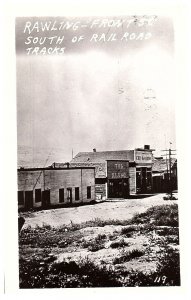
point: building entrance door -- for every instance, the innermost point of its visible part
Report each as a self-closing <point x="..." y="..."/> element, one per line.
<point x="118" y="188"/>
<point x="28" y="199"/>
<point x="46" y="198"/>
<point x="144" y="180"/>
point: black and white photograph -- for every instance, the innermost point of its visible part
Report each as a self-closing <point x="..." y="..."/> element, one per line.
<point x="96" y="152"/>
<point x="96" y="166"/>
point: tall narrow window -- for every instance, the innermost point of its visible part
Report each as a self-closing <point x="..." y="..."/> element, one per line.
<point x="77" y="194"/>
<point x="61" y="195"/>
<point x="88" y="192"/>
<point x="38" y="195"/>
<point x="20" y="198"/>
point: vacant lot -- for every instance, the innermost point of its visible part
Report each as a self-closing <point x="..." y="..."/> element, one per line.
<point x="121" y="243"/>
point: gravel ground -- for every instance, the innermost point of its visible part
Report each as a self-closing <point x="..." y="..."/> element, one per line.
<point x="117" y="209"/>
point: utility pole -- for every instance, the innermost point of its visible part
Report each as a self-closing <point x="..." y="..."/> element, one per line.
<point x="169" y="154"/>
<point x="170" y="173"/>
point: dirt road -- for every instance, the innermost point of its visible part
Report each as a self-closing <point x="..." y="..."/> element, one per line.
<point x="116" y="209"/>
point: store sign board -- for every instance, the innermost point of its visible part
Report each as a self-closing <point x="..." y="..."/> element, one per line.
<point x="117" y="169"/>
<point x="143" y="157"/>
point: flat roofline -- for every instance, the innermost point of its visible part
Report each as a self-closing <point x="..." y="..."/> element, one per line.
<point x="143" y="149"/>
<point x="41" y="169"/>
<point x="117" y="160"/>
<point x="106" y="151"/>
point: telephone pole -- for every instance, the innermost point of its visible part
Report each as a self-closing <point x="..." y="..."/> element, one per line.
<point x="169" y="155"/>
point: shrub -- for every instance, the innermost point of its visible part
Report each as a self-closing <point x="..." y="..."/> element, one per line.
<point x="112" y="237"/>
<point x="128" y="255"/>
<point x="37" y="274"/>
<point x="44" y="272"/>
<point x="95" y="244"/>
<point x="128" y="231"/>
<point x="100" y="237"/>
<point x="161" y="215"/>
<point x="169" y="266"/>
<point x="118" y="244"/>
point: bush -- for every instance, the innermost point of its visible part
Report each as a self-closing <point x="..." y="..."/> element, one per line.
<point x="44" y="272"/>
<point x="169" y="266"/>
<point x="161" y="215"/>
<point x="95" y="244"/>
<point x="118" y="244"/>
<point x="127" y="256"/>
<point x="37" y="274"/>
<point x="163" y="231"/>
<point x="129" y="231"/>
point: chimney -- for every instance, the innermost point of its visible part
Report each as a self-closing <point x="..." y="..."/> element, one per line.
<point x="94" y="150"/>
<point x="147" y="147"/>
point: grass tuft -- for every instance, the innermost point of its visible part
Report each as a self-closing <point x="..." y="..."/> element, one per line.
<point x="128" y="255"/>
<point x="160" y="215"/>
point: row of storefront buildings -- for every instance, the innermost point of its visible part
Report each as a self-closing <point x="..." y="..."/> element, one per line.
<point x="93" y="175"/>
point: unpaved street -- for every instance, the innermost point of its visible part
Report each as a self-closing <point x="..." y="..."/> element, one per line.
<point x="115" y="209"/>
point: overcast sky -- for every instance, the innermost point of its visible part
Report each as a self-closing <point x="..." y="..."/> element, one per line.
<point x="106" y="95"/>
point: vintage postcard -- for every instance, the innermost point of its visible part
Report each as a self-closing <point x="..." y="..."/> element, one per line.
<point x="97" y="153"/>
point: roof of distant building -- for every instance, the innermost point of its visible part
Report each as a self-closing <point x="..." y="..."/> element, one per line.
<point x="160" y="164"/>
<point x="98" y="159"/>
<point x="102" y="156"/>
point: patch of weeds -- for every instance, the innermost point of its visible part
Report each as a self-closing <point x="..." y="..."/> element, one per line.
<point x="128" y="255"/>
<point x="95" y="244"/>
<point x="46" y="226"/>
<point x="172" y="239"/>
<point x="112" y="237"/>
<point x="145" y="228"/>
<point x="136" y="253"/>
<point x="129" y="231"/>
<point x="100" y="237"/>
<point x="73" y="226"/>
<point x="119" y="244"/>
<point x="161" y="215"/>
<point x="85" y="243"/>
<point x="92" y="223"/>
<point x="65" y="242"/>
<point x="136" y="278"/>
<point x="44" y="272"/>
<point x="167" y="231"/>
<point x="95" y="247"/>
<point x="47" y="236"/>
<point x="167" y="273"/>
<point x="37" y="274"/>
<point x="169" y="266"/>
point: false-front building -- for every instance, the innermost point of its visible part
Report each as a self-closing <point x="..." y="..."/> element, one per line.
<point x="119" y="173"/>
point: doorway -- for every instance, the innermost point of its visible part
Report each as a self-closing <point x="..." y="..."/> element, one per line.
<point x="46" y="198"/>
<point x="69" y="195"/>
<point x="118" y="188"/>
<point x="28" y="200"/>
